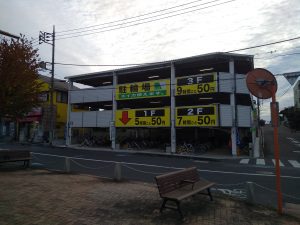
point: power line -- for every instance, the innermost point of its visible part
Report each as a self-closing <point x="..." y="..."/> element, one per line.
<point x="129" y="18"/>
<point x="135" y="24"/>
<point x="140" y="64"/>
<point x="282" y="55"/>
<point x="258" y="46"/>
<point x="138" y="20"/>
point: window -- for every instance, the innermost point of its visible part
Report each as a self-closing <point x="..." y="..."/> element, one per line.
<point x="61" y="97"/>
<point x="44" y="96"/>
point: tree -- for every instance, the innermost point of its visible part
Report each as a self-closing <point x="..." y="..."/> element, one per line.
<point x="293" y="117"/>
<point x="20" y="89"/>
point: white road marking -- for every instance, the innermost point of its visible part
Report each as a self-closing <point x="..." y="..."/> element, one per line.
<point x="244" y="161"/>
<point x="295" y="142"/>
<point x="294" y="163"/>
<point x="171" y="167"/>
<point x="280" y="163"/>
<point x="260" y="162"/>
<point x="200" y="161"/>
<point x="297" y="151"/>
<point x="264" y="172"/>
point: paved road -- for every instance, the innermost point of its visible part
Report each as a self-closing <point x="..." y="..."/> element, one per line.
<point x="289" y="143"/>
<point x="230" y="175"/>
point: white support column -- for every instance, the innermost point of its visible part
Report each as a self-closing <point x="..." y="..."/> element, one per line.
<point x="172" y="93"/>
<point x="112" y="124"/>
<point x="69" y="127"/>
<point x="233" y="109"/>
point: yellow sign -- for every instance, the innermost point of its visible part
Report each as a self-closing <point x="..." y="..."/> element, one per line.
<point x="154" y="117"/>
<point x="146" y="89"/>
<point x="197" y="116"/>
<point x="196" y="84"/>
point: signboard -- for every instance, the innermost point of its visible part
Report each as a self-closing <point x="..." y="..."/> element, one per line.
<point x="146" y="89"/>
<point x="154" y="117"/>
<point x="197" y="116"/>
<point x="196" y="84"/>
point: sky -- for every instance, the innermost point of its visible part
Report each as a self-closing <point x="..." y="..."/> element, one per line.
<point x="198" y="27"/>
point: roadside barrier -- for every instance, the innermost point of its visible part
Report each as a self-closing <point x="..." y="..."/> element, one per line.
<point x="248" y="191"/>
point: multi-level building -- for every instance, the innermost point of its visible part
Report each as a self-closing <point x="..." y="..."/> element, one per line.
<point x="297" y="95"/>
<point x="202" y="100"/>
<point x="36" y="125"/>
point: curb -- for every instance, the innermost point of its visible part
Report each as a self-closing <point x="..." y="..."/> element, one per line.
<point x="171" y="155"/>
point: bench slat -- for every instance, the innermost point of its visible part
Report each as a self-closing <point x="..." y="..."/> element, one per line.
<point x="172" y="181"/>
<point x="14" y="155"/>
<point x="188" y="190"/>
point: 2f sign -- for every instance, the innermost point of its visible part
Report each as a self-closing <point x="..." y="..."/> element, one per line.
<point x="190" y="112"/>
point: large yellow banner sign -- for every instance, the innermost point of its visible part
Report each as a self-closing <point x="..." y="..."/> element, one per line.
<point x="146" y="89"/>
<point x="154" y="117"/>
<point x="197" y="84"/>
<point x="197" y="116"/>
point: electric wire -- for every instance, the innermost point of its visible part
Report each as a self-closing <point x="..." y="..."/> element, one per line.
<point x="135" y="24"/>
<point x="282" y="55"/>
<point x="263" y="45"/>
<point x="130" y="18"/>
<point x="161" y="62"/>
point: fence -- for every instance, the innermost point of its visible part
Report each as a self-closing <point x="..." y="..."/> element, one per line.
<point x="248" y="191"/>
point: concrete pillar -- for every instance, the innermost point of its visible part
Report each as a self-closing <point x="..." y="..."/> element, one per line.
<point x="112" y="124"/>
<point x="233" y="108"/>
<point x="173" y="119"/>
<point x="67" y="164"/>
<point x="68" y="125"/>
<point x="250" y="192"/>
<point x="117" y="172"/>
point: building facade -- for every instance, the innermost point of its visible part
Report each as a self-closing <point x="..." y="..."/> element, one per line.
<point x="201" y="101"/>
<point x="35" y="126"/>
<point x="297" y="95"/>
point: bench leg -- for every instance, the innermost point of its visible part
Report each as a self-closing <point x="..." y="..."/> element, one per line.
<point x="179" y="210"/>
<point x="163" y="205"/>
<point x="209" y="193"/>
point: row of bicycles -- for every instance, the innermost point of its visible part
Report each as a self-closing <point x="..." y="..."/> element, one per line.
<point x="185" y="147"/>
<point x="93" y="141"/>
<point x="142" y="144"/>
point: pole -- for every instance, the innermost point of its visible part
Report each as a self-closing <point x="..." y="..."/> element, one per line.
<point x="234" y="127"/>
<point x="173" y="109"/>
<point x="274" y="114"/>
<point x="52" y="90"/>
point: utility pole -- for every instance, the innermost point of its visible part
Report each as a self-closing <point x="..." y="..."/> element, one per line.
<point x="45" y="37"/>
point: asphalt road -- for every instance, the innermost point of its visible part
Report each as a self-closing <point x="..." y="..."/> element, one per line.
<point x="229" y="175"/>
<point x="289" y="143"/>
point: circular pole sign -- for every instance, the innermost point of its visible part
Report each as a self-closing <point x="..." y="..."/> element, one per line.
<point x="261" y="83"/>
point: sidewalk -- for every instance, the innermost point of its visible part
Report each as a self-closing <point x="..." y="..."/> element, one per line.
<point x="47" y="198"/>
<point x="211" y="156"/>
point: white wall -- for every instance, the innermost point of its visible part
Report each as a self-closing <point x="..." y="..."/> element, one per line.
<point x="91" y="95"/>
<point x="91" y="119"/>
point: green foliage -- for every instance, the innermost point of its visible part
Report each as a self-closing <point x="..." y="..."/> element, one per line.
<point x="293" y="117"/>
<point x="20" y="88"/>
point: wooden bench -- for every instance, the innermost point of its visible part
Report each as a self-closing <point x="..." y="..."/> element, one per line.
<point x="178" y="185"/>
<point x="15" y="156"/>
